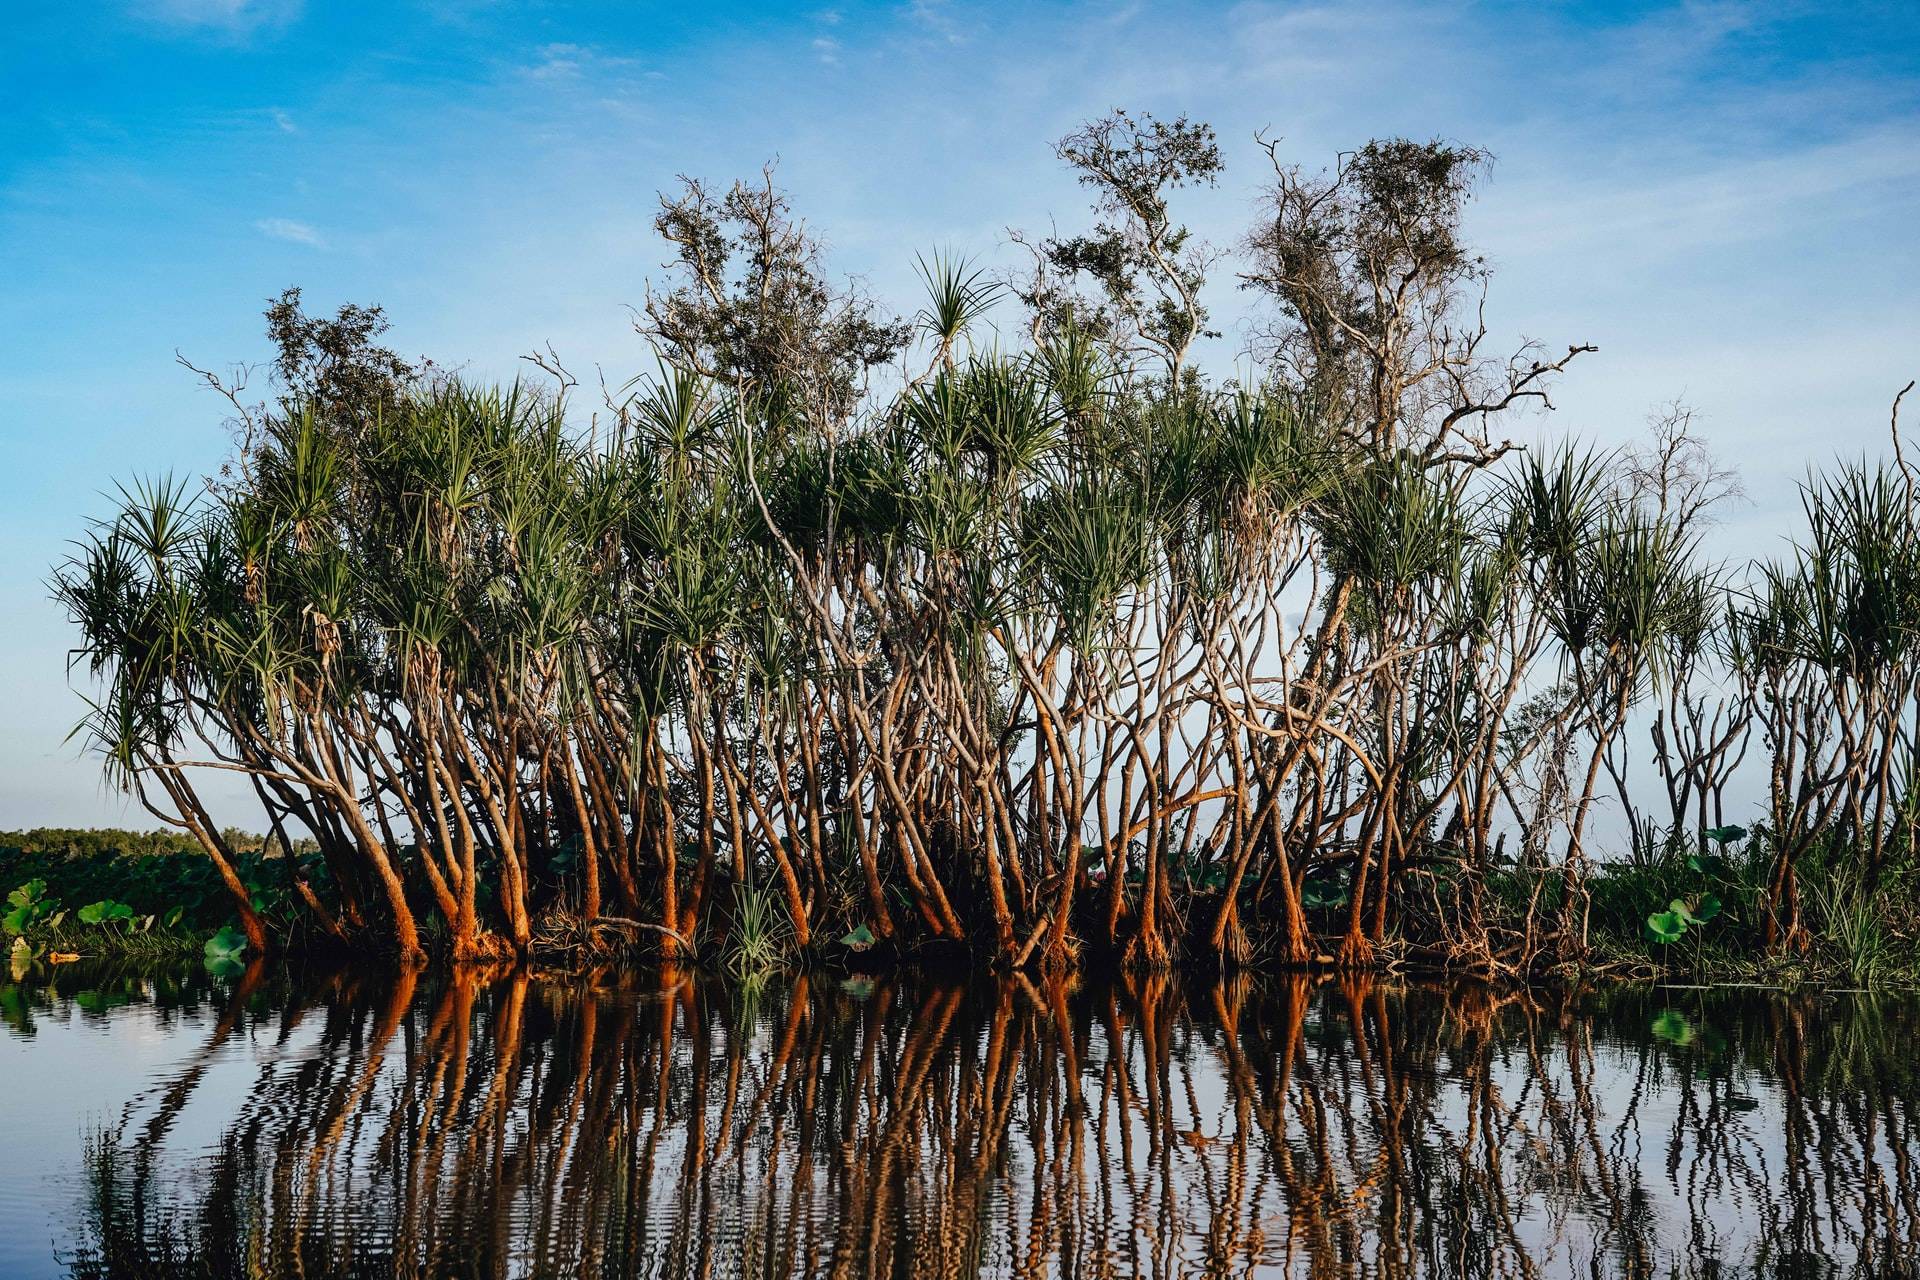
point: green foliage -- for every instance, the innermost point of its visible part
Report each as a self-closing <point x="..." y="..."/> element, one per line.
<point x="1672" y="924"/>
<point x="225" y="952"/>
<point x="28" y="905"/>
<point x="179" y="890"/>
<point x="758" y="938"/>
<point x="106" y="911"/>
<point x="1011" y="602"/>
<point x="1853" y="923"/>
<point x="1326" y="892"/>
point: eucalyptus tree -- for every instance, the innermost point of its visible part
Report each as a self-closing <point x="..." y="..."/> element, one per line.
<point x="1146" y="269"/>
<point x="1374" y="286"/>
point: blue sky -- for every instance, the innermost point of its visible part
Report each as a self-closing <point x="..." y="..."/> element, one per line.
<point x="1722" y="196"/>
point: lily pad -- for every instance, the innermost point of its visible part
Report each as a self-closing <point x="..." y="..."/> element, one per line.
<point x="1666" y="926"/>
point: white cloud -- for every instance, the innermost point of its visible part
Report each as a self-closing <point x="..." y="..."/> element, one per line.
<point x="936" y="19"/>
<point x="574" y="61"/>
<point x="290" y="231"/>
<point x="827" y="49"/>
<point x="228" y="17"/>
<point x="283" y="121"/>
<point x="1681" y="207"/>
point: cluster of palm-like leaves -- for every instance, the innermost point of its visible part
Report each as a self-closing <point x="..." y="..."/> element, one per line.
<point x="1031" y="656"/>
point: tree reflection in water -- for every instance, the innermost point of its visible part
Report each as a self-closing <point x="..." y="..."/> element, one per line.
<point x="478" y="1124"/>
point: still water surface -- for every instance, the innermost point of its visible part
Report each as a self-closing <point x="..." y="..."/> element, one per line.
<point x="272" y="1124"/>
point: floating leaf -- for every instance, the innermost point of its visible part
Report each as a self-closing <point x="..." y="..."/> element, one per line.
<point x="859" y="940"/>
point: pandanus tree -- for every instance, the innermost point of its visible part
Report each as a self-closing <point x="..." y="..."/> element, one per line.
<point x="1615" y="582"/>
<point x="1826" y="643"/>
<point x="1030" y="650"/>
<point x="131" y="590"/>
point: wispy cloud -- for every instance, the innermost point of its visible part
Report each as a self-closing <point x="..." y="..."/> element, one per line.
<point x="224" y="17"/>
<point x="283" y="121"/>
<point x="935" y="17"/>
<point x="574" y="61"/>
<point x="291" y="231"/>
<point x="1700" y="203"/>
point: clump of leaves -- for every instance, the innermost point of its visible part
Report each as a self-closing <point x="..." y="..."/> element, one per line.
<point x="106" y="912"/>
<point x="1671" y="925"/>
<point x="759" y="935"/>
<point x="1326" y="892"/>
<point x="28" y="906"/>
<point x="1692" y="912"/>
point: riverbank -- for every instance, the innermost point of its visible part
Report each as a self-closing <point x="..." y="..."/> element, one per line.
<point x="135" y="895"/>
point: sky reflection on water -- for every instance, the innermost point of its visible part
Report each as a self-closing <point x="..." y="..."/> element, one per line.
<point x="668" y="1126"/>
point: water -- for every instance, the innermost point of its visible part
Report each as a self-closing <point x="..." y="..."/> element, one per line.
<point x="670" y="1126"/>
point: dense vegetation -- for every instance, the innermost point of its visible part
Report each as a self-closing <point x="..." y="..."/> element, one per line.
<point x="906" y="634"/>
<point x="134" y="894"/>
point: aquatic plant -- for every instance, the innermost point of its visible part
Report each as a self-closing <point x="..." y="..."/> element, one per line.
<point x="28" y="906"/>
